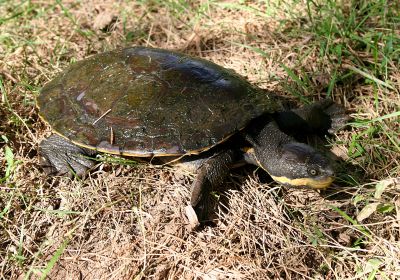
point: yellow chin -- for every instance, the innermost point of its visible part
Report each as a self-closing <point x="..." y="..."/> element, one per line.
<point x="309" y="182"/>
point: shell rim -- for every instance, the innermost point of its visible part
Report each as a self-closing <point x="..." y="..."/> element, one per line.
<point x="142" y="155"/>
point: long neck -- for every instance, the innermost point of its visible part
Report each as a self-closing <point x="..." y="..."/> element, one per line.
<point x="267" y="147"/>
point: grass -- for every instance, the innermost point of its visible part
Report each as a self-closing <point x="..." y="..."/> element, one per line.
<point x="126" y="220"/>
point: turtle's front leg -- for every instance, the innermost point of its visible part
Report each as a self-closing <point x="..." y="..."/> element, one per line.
<point x="322" y="117"/>
<point x="211" y="175"/>
<point x="58" y="156"/>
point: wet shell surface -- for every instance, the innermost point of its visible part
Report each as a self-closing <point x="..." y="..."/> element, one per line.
<point x="150" y="102"/>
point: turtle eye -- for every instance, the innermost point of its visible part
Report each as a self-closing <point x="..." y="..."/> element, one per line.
<point x="312" y="172"/>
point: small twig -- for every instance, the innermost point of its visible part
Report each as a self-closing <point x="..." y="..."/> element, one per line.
<point x="111" y="136"/>
<point x="108" y="111"/>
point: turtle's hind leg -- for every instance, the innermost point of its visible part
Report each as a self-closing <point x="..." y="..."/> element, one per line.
<point x="58" y="156"/>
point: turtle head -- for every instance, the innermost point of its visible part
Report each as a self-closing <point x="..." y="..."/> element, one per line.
<point x="296" y="165"/>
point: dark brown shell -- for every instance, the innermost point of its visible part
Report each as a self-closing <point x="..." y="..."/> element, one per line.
<point x="142" y="102"/>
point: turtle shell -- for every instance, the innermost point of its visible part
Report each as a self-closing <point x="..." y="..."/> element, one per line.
<point x="150" y="102"/>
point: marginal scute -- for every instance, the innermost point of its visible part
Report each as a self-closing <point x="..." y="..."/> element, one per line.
<point x="157" y="102"/>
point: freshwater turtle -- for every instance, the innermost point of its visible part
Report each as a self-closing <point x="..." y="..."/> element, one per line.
<point x="154" y="103"/>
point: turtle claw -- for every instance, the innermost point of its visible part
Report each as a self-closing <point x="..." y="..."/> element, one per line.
<point x="338" y="117"/>
<point x="61" y="157"/>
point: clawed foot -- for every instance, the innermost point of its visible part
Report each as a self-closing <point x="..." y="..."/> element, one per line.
<point x="58" y="156"/>
<point x="336" y="113"/>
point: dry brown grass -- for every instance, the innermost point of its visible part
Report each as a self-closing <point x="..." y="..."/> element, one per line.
<point x="128" y="222"/>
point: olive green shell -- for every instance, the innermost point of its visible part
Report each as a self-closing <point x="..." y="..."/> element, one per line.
<point x="143" y="102"/>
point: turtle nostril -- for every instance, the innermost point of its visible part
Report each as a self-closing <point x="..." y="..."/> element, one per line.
<point x="330" y="172"/>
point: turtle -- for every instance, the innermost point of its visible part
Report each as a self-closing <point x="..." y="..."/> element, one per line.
<point x="160" y="104"/>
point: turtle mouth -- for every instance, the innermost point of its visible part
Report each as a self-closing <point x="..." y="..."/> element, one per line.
<point x="320" y="183"/>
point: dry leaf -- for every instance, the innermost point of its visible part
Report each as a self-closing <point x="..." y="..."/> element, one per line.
<point x="367" y="211"/>
<point x="102" y="20"/>
<point x="381" y="186"/>
<point x="192" y="217"/>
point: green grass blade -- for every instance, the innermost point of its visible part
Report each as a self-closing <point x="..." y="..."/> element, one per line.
<point x="54" y="259"/>
<point x="388" y="116"/>
<point x="352" y="221"/>
<point x="370" y="77"/>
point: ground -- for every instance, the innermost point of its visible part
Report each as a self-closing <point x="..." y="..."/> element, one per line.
<point x="127" y="220"/>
